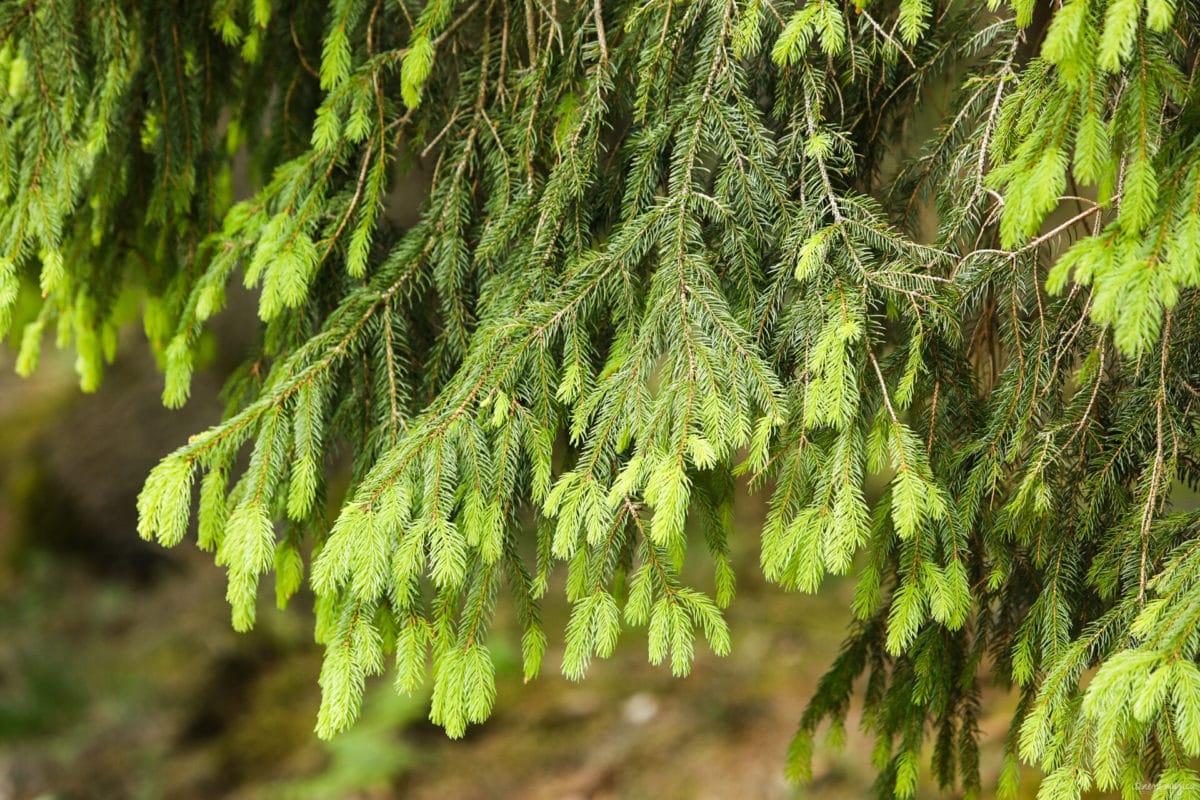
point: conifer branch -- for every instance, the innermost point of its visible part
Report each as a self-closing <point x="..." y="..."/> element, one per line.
<point x="659" y="238"/>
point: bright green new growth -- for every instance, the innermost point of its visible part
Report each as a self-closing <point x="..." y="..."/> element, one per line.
<point x="663" y="244"/>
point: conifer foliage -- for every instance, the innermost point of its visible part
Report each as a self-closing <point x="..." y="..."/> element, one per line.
<point x="665" y="244"/>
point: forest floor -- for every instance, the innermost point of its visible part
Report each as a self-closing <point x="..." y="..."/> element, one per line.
<point x="121" y="678"/>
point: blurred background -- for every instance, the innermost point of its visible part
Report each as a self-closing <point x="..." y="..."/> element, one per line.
<point x="120" y="676"/>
